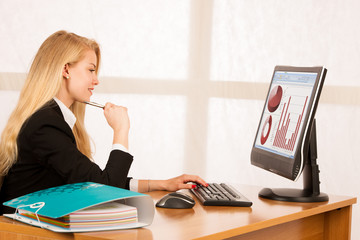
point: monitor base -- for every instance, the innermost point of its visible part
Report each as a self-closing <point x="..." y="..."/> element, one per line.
<point x="292" y="195"/>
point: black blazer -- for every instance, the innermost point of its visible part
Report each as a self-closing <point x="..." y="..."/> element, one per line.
<point x="48" y="157"/>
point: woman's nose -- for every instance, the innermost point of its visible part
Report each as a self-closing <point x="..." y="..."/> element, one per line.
<point x="96" y="80"/>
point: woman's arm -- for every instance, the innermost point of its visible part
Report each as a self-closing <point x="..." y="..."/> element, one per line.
<point x="172" y="185"/>
<point x="51" y="143"/>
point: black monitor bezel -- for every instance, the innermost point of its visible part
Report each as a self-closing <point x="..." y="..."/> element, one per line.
<point x="278" y="164"/>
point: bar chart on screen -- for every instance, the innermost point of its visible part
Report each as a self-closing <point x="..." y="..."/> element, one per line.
<point x="283" y="130"/>
<point x="291" y="111"/>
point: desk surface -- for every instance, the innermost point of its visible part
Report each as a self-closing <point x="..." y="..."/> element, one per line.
<point x="201" y="221"/>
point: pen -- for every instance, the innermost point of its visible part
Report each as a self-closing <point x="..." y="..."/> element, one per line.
<point x="95" y="104"/>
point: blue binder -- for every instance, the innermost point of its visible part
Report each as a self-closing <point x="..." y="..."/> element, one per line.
<point x="60" y="201"/>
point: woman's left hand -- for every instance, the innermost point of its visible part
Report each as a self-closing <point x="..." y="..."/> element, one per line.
<point x="182" y="182"/>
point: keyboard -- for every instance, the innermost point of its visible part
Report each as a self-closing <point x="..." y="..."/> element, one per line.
<point x="220" y="195"/>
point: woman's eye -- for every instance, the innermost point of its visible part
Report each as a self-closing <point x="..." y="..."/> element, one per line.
<point x="92" y="70"/>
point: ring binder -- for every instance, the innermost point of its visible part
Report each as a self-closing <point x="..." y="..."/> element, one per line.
<point x="53" y="208"/>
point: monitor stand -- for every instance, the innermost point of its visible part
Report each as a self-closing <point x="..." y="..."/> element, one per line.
<point x="311" y="190"/>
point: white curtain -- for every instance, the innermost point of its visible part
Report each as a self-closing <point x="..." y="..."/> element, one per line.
<point x="194" y="76"/>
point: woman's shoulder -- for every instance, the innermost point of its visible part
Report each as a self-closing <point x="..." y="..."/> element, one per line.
<point x="48" y="115"/>
<point x="49" y="111"/>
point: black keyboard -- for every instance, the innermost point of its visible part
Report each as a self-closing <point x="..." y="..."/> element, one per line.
<point x="220" y="195"/>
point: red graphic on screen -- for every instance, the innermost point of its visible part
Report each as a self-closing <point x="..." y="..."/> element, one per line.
<point x="263" y="138"/>
<point x="280" y="136"/>
<point x="275" y="98"/>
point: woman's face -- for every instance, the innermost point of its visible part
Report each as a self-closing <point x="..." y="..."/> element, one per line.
<point x="82" y="79"/>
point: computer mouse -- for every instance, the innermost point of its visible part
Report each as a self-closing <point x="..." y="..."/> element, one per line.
<point x="176" y="200"/>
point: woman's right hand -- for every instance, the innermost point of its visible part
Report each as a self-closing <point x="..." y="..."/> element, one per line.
<point x="118" y="119"/>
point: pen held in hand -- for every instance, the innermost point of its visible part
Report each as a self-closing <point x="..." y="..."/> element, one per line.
<point x="95" y="104"/>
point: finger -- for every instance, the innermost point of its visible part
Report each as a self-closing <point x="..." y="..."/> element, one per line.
<point x="202" y="182"/>
<point x="108" y="105"/>
<point x="186" y="186"/>
<point x="195" y="179"/>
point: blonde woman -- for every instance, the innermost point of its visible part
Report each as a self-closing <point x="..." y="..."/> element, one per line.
<point x="45" y="144"/>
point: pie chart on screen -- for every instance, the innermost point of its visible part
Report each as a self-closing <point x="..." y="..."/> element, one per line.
<point x="275" y="98"/>
<point x="266" y="130"/>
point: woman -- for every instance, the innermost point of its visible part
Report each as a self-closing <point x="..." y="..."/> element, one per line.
<point x="45" y="144"/>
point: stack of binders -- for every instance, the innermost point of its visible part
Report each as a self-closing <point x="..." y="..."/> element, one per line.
<point x="83" y="207"/>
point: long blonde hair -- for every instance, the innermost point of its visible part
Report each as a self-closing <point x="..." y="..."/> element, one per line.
<point x="42" y="84"/>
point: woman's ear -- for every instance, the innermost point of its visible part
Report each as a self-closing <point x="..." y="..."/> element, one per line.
<point x="65" y="71"/>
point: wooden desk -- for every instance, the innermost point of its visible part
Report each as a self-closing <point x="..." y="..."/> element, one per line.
<point x="266" y="219"/>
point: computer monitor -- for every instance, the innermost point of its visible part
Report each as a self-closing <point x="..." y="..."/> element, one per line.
<point x="285" y="143"/>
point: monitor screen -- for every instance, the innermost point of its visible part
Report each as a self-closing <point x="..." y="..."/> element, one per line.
<point x="286" y="120"/>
